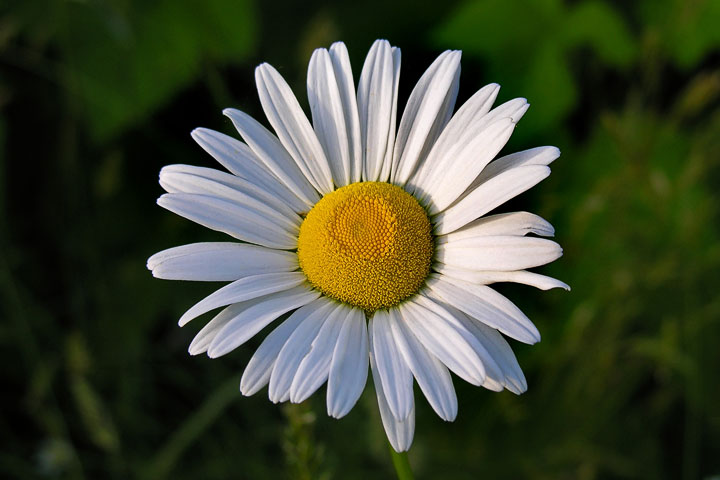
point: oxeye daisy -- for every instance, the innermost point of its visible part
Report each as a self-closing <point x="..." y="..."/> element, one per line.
<point x="372" y="245"/>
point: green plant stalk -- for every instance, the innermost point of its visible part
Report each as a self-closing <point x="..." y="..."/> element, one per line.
<point x="401" y="464"/>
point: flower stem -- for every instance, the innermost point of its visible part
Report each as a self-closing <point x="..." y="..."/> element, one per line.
<point x="401" y="464"/>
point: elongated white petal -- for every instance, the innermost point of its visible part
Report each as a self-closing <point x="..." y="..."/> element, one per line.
<point x="274" y="211"/>
<point x="314" y="367"/>
<point x="488" y="196"/>
<point x="440" y="155"/>
<point x="486" y="277"/>
<point x="349" y="367"/>
<point x="432" y="376"/>
<point x="273" y="155"/>
<point x="445" y="338"/>
<point x="346" y="86"/>
<point x="292" y="127"/>
<point x="509" y="374"/>
<point x="426" y="113"/>
<point x="240" y="160"/>
<point x="516" y="223"/>
<point x="470" y="161"/>
<point x="394" y="373"/>
<point x="207" y="181"/>
<point x="219" y="261"/>
<point x="494" y="377"/>
<point x="454" y="316"/>
<point x="377" y="104"/>
<point x="463" y="150"/>
<point x="327" y="96"/>
<point x="535" y="156"/>
<point x="253" y="315"/>
<point x="514" y="109"/>
<point x="387" y="161"/>
<point x="539" y="157"/>
<point x="399" y="432"/>
<point x="257" y="373"/>
<point x="313" y="315"/>
<point x="244" y="289"/>
<point x="244" y="222"/>
<point x="502" y="253"/>
<point x="486" y="305"/>
<point x="207" y="334"/>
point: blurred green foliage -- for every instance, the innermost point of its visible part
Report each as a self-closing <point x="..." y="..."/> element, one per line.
<point x="95" y="96"/>
<point x="126" y="59"/>
<point x="500" y="32"/>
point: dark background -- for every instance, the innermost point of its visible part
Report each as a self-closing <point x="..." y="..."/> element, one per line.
<point x="95" y="96"/>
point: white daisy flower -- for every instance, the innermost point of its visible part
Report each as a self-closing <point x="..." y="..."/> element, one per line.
<point x="375" y="242"/>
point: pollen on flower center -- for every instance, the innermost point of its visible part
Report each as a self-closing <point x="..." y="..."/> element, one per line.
<point x="368" y="244"/>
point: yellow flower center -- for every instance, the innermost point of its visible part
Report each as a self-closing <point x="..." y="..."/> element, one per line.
<point x="367" y="244"/>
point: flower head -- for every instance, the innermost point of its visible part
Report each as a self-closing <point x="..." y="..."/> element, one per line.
<point x="372" y="245"/>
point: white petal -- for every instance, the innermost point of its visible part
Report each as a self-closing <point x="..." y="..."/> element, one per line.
<point x="247" y="222"/>
<point x="349" y="367"/>
<point x="273" y="155"/>
<point x="253" y="315"/>
<point x="257" y="373"/>
<point x="387" y="161"/>
<point x="314" y="368"/>
<point x="488" y="196"/>
<point x="326" y="95"/>
<point x="486" y="305"/>
<point x="465" y="147"/>
<point x="346" y="86"/>
<point x="513" y="109"/>
<point x="468" y="163"/>
<point x="535" y="156"/>
<point x="432" y="376"/>
<point x="240" y="160"/>
<point x="394" y="373"/>
<point x="426" y="113"/>
<point x="486" y="277"/>
<point x="476" y="107"/>
<point x="207" y="181"/>
<point x="539" y="156"/>
<point x="503" y="253"/>
<point x="516" y="223"/>
<point x="399" y="432"/>
<point x="377" y="105"/>
<point x="444" y="337"/>
<point x="219" y="261"/>
<point x="509" y="374"/>
<point x="297" y="346"/>
<point x="454" y="316"/>
<point x="494" y="377"/>
<point x="244" y="289"/>
<point x="207" y="334"/>
<point x="292" y="127"/>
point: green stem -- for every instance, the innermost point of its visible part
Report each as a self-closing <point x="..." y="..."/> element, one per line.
<point x="401" y="464"/>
